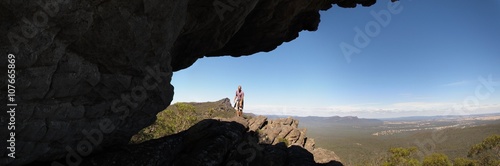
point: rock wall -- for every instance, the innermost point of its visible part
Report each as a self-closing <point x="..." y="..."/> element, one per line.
<point x="90" y="74"/>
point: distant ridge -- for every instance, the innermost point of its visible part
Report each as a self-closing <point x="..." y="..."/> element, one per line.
<point x="409" y="118"/>
<point x="402" y="118"/>
<point x="346" y="120"/>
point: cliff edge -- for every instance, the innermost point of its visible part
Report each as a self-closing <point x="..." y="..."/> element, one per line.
<point x="232" y="141"/>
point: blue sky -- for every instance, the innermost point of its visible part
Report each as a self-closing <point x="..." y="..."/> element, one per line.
<point x="428" y="59"/>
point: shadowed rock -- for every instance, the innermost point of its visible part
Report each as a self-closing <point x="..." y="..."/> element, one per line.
<point x="209" y="142"/>
<point x="219" y="141"/>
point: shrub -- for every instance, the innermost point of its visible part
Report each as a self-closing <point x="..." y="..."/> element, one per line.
<point x="401" y="156"/>
<point x="284" y="140"/>
<point x="436" y="159"/>
<point x="464" y="162"/>
<point x="491" y="142"/>
<point x="487" y="152"/>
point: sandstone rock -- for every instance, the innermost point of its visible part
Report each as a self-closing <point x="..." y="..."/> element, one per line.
<point x="237" y="119"/>
<point x="324" y="156"/>
<point x="299" y="156"/>
<point x="302" y="137"/>
<point x="287" y="121"/>
<point x="272" y="134"/>
<point x="209" y="142"/>
<point x="285" y="130"/>
<point x="257" y="122"/>
<point x="225" y="104"/>
<point x="309" y="144"/>
<point x="275" y="155"/>
<point x="293" y="136"/>
<point x="35" y="131"/>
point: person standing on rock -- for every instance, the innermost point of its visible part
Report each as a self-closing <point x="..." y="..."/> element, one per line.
<point x="238" y="101"/>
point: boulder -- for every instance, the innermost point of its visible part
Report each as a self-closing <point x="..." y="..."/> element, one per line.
<point x="309" y="144"/>
<point x="257" y="122"/>
<point x="324" y="156"/>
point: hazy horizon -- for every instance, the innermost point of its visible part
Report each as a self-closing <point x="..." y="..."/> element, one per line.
<point x="385" y="117"/>
<point x="444" y="61"/>
<point x="299" y="112"/>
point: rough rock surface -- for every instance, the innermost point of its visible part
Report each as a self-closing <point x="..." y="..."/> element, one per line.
<point x="90" y="74"/>
<point x="213" y="142"/>
<point x="285" y="130"/>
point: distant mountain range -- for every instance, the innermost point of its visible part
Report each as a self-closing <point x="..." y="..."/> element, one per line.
<point x="337" y="120"/>
<point x="437" y="117"/>
<point x="355" y="119"/>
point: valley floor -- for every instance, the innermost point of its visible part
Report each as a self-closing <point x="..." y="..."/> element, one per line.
<point x="368" y="143"/>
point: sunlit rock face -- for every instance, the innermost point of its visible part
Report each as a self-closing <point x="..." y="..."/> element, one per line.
<point x="90" y="74"/>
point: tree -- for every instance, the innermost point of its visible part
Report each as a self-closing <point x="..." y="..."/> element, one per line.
<point x="487" y="152"/>
<point x="436" y="159"/>
<point x="401" y="156"/>
<point x="464" y="162"/>
<point x="490" y="143"/>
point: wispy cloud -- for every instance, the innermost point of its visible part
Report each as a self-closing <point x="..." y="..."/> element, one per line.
<point x="394" y="107"/>
<point x="458" y="83"/>
<point x="406" y="95"/>
<point x="375" y="110"/>
<point x="415" y="97"/>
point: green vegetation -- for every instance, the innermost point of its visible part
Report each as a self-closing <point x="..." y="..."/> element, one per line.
<point x="469" y="146"/>
<point x="480" y="154"/>
<point x="284" y="140"/>
<point x="179" y="117"/>
<point x="436" y="159"/>
<point x="355" y="145"/>
<point x="487" y="152"/>
<point x="490" y="143"/>
<point x="464" y="162"/>
<point x="402" y="156"/>
<point x="169" y="121"/>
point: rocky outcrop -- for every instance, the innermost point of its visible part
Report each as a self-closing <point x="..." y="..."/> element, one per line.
<point x="285" y="130"/>
<point x="215" y="142"/>
<point x="90" y="74"/>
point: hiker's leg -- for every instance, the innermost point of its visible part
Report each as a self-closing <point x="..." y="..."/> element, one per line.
<point x="237" y="111"/>
<point x="241" y="107"/>
<point x="236" y="107"/>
